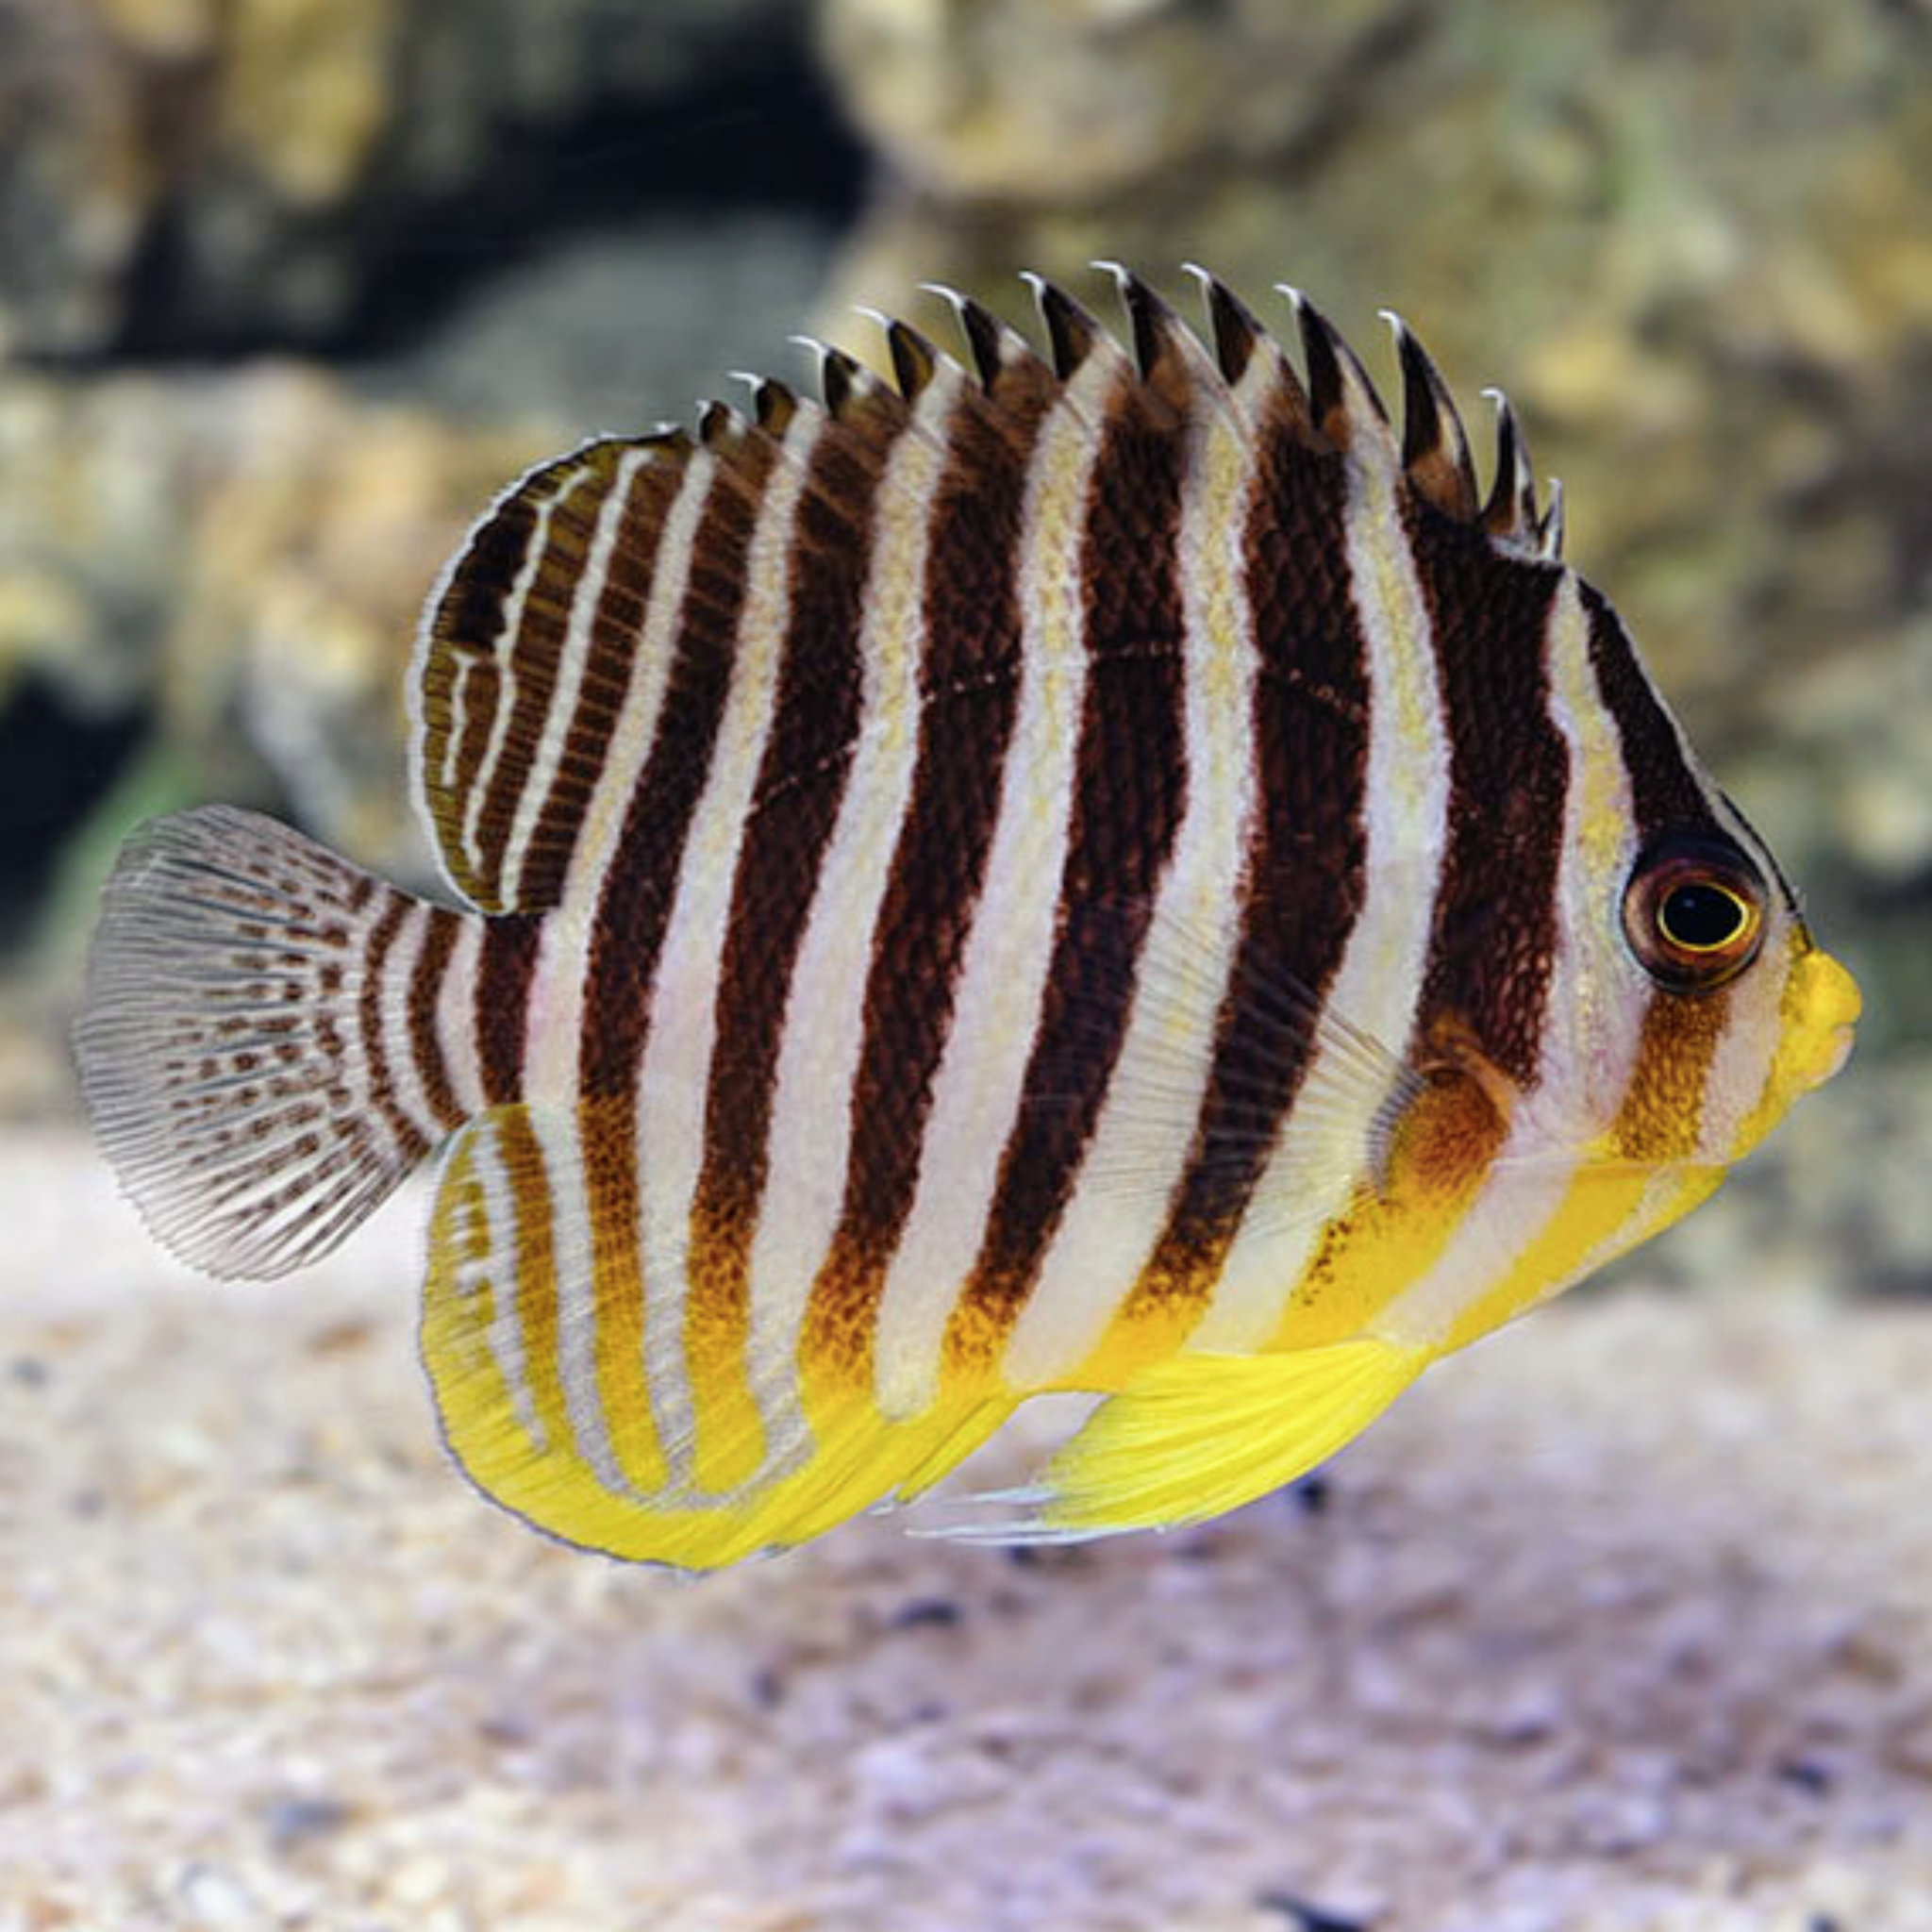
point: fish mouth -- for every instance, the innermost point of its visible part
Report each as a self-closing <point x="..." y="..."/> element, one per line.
<point x="1837" y="1051"/>
<point x="1826" y="1004"/>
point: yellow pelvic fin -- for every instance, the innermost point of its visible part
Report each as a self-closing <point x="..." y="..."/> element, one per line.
<point x="1198" y="1435"/>
<point x="561" y="1406"/>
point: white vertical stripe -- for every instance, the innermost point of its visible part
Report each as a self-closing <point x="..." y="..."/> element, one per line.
<point x="458" y="716"/>
<point x="562" y="965"/>
<point x="1002" y="973"/>
<point x="1747" y="1048"/>
<point x="1593" y="1020"/>
<point x="1326" y="1144"/>
<point x="824" y="1033"/>
<point x="398" y="1049"/>
<point x="676" y="1075"/>
<point x="586" y="594"/>
<point x="1145" y="1132"/>
<point x="456" y="1015"/>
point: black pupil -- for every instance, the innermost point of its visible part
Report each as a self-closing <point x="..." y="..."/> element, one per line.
<point x="1702" y="917"/>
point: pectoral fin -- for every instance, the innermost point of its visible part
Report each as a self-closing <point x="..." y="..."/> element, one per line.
<point x="1198" y="1435"/>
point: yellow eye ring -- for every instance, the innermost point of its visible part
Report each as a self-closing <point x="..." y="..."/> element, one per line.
<point x="1694" y="912"/>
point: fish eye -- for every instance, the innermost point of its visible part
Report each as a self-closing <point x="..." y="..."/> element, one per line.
<point x="1694" y="912"/>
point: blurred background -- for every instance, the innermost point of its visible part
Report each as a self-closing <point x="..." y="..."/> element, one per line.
<point x="289" y="287"/>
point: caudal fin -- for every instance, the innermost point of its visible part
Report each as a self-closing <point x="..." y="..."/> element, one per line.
<point x="245" y="994"/>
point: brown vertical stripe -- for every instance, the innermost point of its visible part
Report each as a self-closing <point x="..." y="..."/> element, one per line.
<point x="1664" y="791"/>
<point x="801" y="782"/>
<point x="1306" y="860"/>
<point x="969" y="688"/>
<point x="615" y="629"/>
<point x="1662" y="1114"/>
<point x="634" y="907"/>
<point x="410" y="1138"/>
<point x="1129" y="787"/>
<point x="504" y="970"/>
<point x="426" y="987"/>
<point x="531" y="659"/>
<point x="1494" y="938"/>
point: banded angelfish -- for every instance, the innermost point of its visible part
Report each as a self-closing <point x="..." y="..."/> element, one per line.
<point x="1100" y="868"/>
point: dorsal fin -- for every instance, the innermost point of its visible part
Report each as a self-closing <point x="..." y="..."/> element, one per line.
<point x="574" y="577"/>
<point x="1511" y="514"/>
<point x="1435" y="450"/>
<point x="1258" y="376"/>
<point x="1341" y="399"/>
<point x="914" y="359"/>
<point x="1072" y="334"/>
<point x="530" y="640"/>
<point x="1171" y="363"/>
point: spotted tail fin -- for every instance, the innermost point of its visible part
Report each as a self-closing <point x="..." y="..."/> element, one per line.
<point x="261" y="1046"/>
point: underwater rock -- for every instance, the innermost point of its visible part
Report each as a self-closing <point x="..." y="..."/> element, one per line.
<point x="242" y="172"/>
<point x="1074" y="102"/>
<point x="242" y="556"/>
<point x="1696" y="253"/>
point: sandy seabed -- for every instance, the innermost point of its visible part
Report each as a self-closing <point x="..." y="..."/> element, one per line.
<point x="1624" y="1620"/>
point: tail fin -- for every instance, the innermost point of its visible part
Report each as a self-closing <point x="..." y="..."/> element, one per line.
<point x="244" y="991"/>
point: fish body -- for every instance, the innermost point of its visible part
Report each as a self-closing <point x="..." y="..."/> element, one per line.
<point x="1108" y="868"/>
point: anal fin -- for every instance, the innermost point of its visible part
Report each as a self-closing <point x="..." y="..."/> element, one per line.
<point x="562" y="1405"/>
<point x="1198" y="1435"/>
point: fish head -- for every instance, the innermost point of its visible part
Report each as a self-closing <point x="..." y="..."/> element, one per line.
<point x="1731" y="1008"/>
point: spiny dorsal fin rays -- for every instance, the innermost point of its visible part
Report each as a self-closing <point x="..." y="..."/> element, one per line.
<point x="1163" y="342"/>
<point x="1071" y="333"/>
<point x="492" y="641"/>
<point x="915" y="362"/>
<point x="1238" y="339"/>
<point x="990" y="342"/>
<point x="1511" y="514"/>
<point x="1550" y="531"/>
<point x="774" y="405"/>
<point x="1235" y="333"/>
<point x="1434" y="449"/>
<point x="845" y="385"/>
<point x="1342" y="402"/>
<point x="720" y="426"/>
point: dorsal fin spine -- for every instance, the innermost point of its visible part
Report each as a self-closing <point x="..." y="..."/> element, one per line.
<point x="1435" y="448"/>
<point x="1071" y="333"/>
<point x="1342" y="402"/>
<point x="1510" y="513"/>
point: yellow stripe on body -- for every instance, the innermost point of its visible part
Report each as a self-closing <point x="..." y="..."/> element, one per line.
<point x="1541" y="1209"/>
<point x="1325" y="1147"/>
<point x="1003" y="971"/>
<point x="562" y="971"/>
<point x="1141" y="1139"/>
<point x="824" y="1033"/>
<point x="675" y="1073"/>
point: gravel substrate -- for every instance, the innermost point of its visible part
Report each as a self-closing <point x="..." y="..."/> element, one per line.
<point x="1622" y="1621"/>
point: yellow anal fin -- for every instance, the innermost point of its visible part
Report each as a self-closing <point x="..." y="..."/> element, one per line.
<point x="560" y="1405"/>
<point x="1199" y="1435"/>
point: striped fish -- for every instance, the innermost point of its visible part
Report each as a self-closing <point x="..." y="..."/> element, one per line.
<point x="1108" y="867"/>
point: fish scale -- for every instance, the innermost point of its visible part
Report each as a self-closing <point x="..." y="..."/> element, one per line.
<point x="1100" y="867"/>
